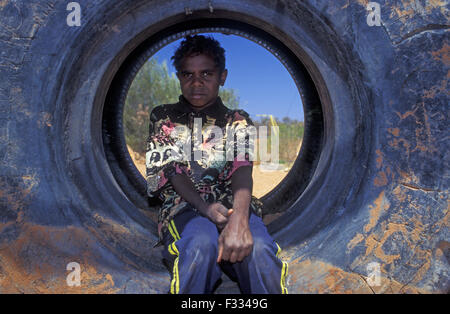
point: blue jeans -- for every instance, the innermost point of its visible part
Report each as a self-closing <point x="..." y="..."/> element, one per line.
<point x="191" y="249"/>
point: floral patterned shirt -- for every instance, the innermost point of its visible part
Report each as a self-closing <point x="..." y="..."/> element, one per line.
<point x="206" y="145"/>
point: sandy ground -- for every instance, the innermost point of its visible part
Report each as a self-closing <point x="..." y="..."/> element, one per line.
<point x="263" y="181"/>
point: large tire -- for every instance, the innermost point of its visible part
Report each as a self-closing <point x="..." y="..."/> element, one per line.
<point x="378" y="193"/>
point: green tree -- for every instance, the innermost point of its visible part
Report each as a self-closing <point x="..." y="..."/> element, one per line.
<point x="229" y="98"/>
<point x="152" y="86"/>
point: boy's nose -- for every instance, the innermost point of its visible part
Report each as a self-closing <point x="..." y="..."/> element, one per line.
<point x="197" y="80"/>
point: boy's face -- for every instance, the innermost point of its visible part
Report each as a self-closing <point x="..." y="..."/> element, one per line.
<point x="200" y="80"/>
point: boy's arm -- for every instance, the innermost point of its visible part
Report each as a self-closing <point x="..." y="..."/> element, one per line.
<point x="236" y="241"/>
<point x="216" y="212"/>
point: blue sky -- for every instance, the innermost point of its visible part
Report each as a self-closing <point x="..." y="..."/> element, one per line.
<point x="259" y="78"/>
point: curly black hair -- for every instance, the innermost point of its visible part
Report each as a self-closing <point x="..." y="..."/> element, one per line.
<point x="199" y="44"/>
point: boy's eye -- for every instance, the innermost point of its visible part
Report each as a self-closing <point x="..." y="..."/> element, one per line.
<point x="205" y="75"/>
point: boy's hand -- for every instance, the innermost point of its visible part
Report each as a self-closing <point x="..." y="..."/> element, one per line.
<point x="235" y="240"/>
<point x="217" y="213"/>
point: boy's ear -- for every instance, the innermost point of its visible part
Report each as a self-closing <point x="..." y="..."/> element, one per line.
<point x="223" y="77"/>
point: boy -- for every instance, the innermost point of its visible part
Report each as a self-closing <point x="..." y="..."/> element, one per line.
<point x="209" y="221"/>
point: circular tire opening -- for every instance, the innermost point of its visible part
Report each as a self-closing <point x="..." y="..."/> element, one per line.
<point x="279" y="111"/>
<point x="131" y="181"/>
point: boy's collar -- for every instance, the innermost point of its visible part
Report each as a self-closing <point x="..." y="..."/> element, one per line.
<point x="214" y="109"/>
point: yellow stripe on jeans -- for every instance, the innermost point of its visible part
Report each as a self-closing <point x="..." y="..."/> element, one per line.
<point x="175" y="284"/>
<point x="175" y="230"/>
<point x="284" y="272"/>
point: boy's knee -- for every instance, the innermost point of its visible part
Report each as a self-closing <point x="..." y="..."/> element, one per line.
<point x="261" y="247"/>
<point x="202" y="242"/>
